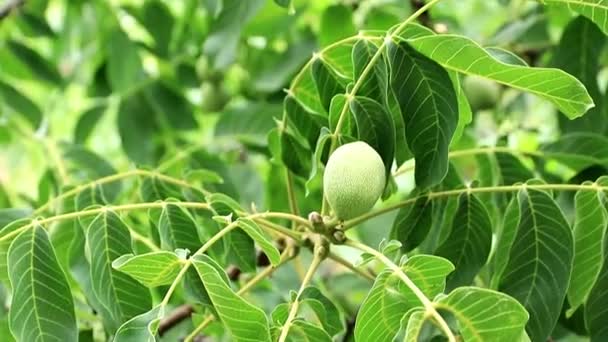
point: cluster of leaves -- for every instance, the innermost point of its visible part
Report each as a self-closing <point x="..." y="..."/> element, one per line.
<point x="490" y="245"/>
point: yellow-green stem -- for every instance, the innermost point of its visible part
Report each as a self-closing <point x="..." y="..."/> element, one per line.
<point x="426" y="303"/>
<point x="503" y="188"/>
<point x="316" y="261"/>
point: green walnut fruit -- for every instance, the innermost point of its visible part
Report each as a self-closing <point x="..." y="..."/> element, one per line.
<point x="354" y="179"/>
<point x="481" y="93"/>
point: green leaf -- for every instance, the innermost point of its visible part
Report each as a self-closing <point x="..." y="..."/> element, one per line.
<point x="336" y="24"/>
<point x="578" y="54"/>
<point x="429" y="107"/>
<point x="90" y="166"/>
<point x="151" y="269"/>
<point x="326" y="83"/>
<point x="596" y="10"/>
<point x="389" y="299"/>
<point x="294" y="155"/>
<point x="136" y="127"/>
<point x="469" y="242"/>
<point x="6" y="243"/>
<point x="42" y="305"/>
<point x="141" y="328"/>
<point x="87" y="122"/>
<point x="540" y="262"/>
<point x="124" y="68"/>
<point x="589" y="230"/>
<point x="20" y="104"/>
<point x="223" y="38"/>
<point x="157" y="19"/>
<point x="375" y="127"/>
<point x="511" y="169"/>
<point x="171" y="105"/>
<point x="155" y="189"/>
<point x="415" y="322"/>
<point x="249" y="122"/>
<point x="242" y="251"/>
<point x="306" y="122"/>
<point x="375" y="84"/>
<point x="596" y="314"/>
<point x="463" y="55"/>
<point x="505" y="238"/>
<point x="413" y="223"/>
<point x="485" y="315"/>
<point x="242" y="319"/>
<point x="177" y="228"/>
<point x="263" y="240"/>
<point x="579" y="150"/>
<point x="38" y="65"/>
<point x="326" y="311"/>
<point x="301" y="330"/>
<point x="120" y="296"/>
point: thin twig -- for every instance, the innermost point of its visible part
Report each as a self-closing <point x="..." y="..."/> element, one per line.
<point x="426" y="303"/>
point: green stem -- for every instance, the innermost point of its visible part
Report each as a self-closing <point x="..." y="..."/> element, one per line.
<point x="338" y="259"/>
<point x="291" y="196"/>
<point x="148" y="205"/>
<point x="316" y="261"/>
<point x="114" y="178"/>
<point x="473" y="151"/>
<point x="428" y="305"/>
<point x="502" y="188"/>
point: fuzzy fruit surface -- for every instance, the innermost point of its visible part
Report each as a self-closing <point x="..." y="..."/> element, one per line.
<point x="354" y="179"/>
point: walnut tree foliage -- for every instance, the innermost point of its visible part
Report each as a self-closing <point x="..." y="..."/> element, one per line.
<point x="161" y="170"/>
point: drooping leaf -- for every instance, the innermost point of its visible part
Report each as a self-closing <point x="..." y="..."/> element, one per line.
<point x="154" y="189"/>
<point x="263" y="240"/>
<point x="540" y="262"/>
<point x="328" y="314"/>
<point x="505" y="237"/>
<point x="589" y="230"/>
<point x="485" y="315"/>
<point x="124" y="64"/>
<point x="326" y="82"/>
<point x="141" y="327"/>
<point x="413" y="224"/>
<point x="389" y="299"/>
<point x="6" y="243"/>
<point x="177" y="228"/>
<point x="42" y="307"/>
<point x="429" y="107"/>
<point x="375" y="84"/>
<point x="120" y="296"/>
<point x="511" y="169"/>
<point x="294" y="155"/>
<point x="336" y="23"/>
<point x="135" y="128"/>
<point x="306" y="122"/>
<point x="151" y="269"/>
<point x="595" y="308"/>
<point x="469" y="242"/>
<point x="87" y="122"/>
<point x="38" y="65"/>
<point x="413" y="325"/>
<point x="222" y="41"/>
<point x="242" y="319"/>
<point x="578" y="54"/>
<point x="462" y="55"/>
<point x="20" y="104"/>
<point x="375" y="127"/>
<point x="579" y="150"/>
<point x="596" y="10"/>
